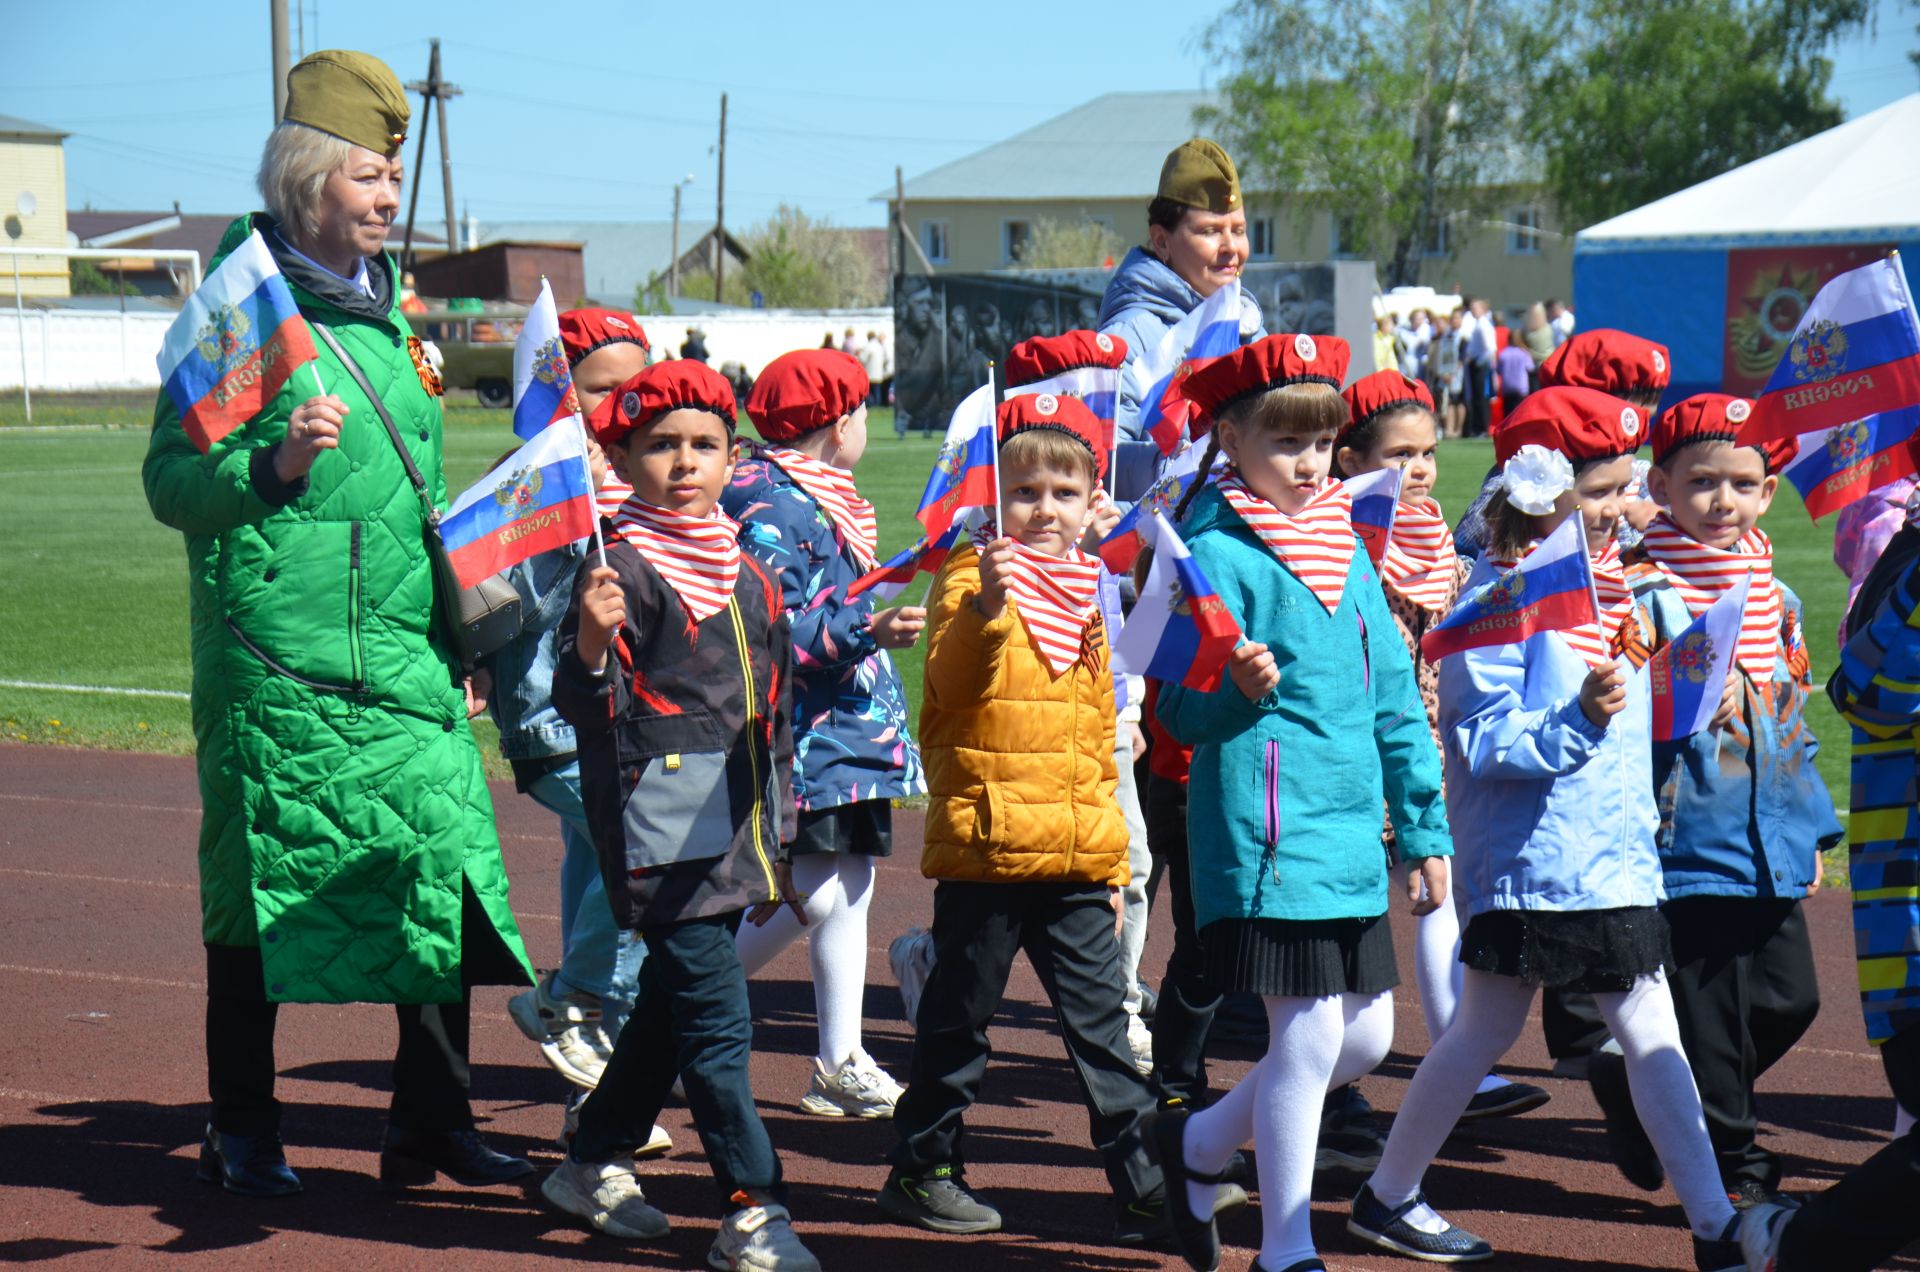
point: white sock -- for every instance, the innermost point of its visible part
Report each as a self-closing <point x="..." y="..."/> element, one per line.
<point x="1436" y="965"/>
<point x="1643" y="1022"/>
<point x="1902" y="1120"/>
<point x="1492" y="1082"/>
<point x="837" y="952"/>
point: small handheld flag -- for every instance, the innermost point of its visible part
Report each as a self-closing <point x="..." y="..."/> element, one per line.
<point x="964" y="473"/>
<point x="1836" y="466"/>
<point x="1376" y="498"/>
<point x="1098" y="388"/>
<point x="542" y="380"/>
<point x="1689" y="672"/>
<point x="1208" y="331"/>
<point x="234" y="346"/>
<point x="541" y="497"/>
<point x="1549" y="591"/>
<point x="1855" y="352"/>
<point x="1123" y="543"/>
<point x="891" y="577"/>
<point x="1180" y="631"/>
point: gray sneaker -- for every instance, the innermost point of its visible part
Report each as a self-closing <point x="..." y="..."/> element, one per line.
<point x="606" y="1195"/>
<point x="760" y="1239"/>
<point x="938" y="1201"/>
<point x="568" y="1029"/>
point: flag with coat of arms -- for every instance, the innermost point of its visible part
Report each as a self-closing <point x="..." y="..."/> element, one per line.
<point x="542" y="380"/>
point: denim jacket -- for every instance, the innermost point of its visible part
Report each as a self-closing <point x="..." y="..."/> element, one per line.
<point x="522" y="700"/>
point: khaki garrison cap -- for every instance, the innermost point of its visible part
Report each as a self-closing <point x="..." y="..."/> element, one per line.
<point x="354" y="96"/>
<point x="1200" y="174"/>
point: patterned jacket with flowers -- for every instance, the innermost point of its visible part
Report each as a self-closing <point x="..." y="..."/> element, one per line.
<point x="851" y="737"/>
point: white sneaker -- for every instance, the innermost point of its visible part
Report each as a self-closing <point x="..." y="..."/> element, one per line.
<point x="567" y="1029"/>
<point x="760" y="1239"/>
<point x="606" y="1195"/>
<point x="658" y="1144"/>
<point x="858" y="1088"/>
<point x="1140" y="1042"/>
<point x="1761" y="1228"/>
<point x="911" y="956"/>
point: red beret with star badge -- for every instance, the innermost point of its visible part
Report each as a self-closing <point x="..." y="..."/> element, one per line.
<point x="1582" y="424"/>
<point x="665" y="387"/>
<point x="805" y="390"/>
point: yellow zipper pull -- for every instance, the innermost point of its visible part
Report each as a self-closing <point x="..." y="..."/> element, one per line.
<point x="673" y="763"/>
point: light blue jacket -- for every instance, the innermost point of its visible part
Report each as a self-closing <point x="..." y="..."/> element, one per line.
<point x="1283" y="806"/>
<point x="1550" y="813"/>
<point x="522" y="699"/>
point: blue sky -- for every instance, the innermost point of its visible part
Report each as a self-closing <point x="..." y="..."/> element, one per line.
<point x="597" y="121"/>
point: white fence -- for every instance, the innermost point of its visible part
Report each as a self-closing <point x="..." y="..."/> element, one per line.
<point x="755" y="337"/>
<point x="82" y="349"/>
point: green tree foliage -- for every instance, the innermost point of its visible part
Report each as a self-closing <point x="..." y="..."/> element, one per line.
<point x="797" y="262"/>
<point x="1632" y="100"/>
<point x="1391" y="116"/>
<point x="88" y="280"/>
<point x="1059" y="243"/>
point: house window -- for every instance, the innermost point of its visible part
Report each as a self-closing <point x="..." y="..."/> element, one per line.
<point x="1260" y="238"/>
<point x="1523" y="231"/>
<point x="1014" y="236"/>
<point x="1440" y="238"/>
<point x="1344" y="239"/>
<point x="933" y="238"/>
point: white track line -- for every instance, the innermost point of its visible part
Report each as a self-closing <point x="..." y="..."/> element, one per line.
<point x="109" y="977"/>
<point x="87" y="878"/>
<point x="104" y="803"/>
<point x="111" y="691"/>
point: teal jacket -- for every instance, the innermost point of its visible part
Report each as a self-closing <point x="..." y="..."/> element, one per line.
<point x="1284" y="804"/>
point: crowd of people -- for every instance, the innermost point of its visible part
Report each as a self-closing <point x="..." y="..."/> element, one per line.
<point x="711" y="710"/>
<point x="1468" y="359"/>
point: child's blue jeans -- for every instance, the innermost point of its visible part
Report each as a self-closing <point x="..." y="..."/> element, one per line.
<point x="596" y="956"/>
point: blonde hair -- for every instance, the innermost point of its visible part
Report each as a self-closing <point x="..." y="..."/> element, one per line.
<point x="1050" y="448"/>
<point x="296" y="162"/>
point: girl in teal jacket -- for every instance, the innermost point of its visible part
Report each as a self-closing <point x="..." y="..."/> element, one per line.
<point x="1317" y="720"/>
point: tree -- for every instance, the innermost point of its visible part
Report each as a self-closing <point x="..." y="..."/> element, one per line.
<point x="1392" y="117"/>
<point x="1057" y="243"/>
<point x="796" y="262"/>
<point x="1631" y="101"/>
<point x="87" y="279"/>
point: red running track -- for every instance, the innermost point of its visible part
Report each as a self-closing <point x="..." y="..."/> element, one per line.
<point x="102" y="1090"/>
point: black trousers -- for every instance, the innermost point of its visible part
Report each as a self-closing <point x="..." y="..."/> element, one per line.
<point x="1744" y="989"/>
<point x="1870" y="1215"/>
<point x="693" y="994"/>
<point x="430" y="1077"/>
<point x="1067" y="931"/>
<point x="1571" y="1023"/>
<point x="1479" y="387"/>
<point x="1187" y="1000"/>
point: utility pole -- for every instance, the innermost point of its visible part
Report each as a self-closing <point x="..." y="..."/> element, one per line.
<point x="673" y="262"/>
<point x="899" y="222"/>
<point x="720" y="212"/>
<point x="432" y="89"/>
<point x="280" y="63"/>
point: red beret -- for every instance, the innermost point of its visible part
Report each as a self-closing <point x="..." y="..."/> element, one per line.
<point x="805" y="390"/>
<point x="1068" y="415"/>
<point x="1713" y="417"/>
<point x="1582" y="424"/>
<point x="662" y="388"/>
<point x="1272" y="363"/>
<point x="584" y="330"/>
<point x="1379" y="393"/>
<point x="1039" y="357"/>
<point x="1610" y="361"/>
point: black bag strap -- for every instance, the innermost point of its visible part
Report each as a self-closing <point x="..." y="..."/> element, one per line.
<point x="379" y="408"/>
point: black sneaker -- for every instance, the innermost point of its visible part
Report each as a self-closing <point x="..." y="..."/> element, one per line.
<point x="1348" y="1140"/>
<point x="1373" y="1220"/>
<point x="937" y="1201"/>
<point x="1505" y="1101"/>
<point x="1749" y="1193"/>
<point x="1626" y="1138"/>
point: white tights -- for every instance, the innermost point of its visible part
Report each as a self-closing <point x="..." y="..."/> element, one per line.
<point x="1316" y="1044"/>
<point x="1493" y="1010"/>
<point x="1437" y="971"/>
<point x="837" y="887"/>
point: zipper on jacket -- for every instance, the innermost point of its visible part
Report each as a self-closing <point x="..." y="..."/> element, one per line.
<point x="355" y="659"/>
<point x="1273" y="807"/>
<point x="267" y="660"/>
<point x="753" y="740"/>
<point x="1366" y="657"/>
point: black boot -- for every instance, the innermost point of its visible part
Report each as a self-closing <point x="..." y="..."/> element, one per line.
<point x="409" y="1158"/>
<point x="250" y="1165"/>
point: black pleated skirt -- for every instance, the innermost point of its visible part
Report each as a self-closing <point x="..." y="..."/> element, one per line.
<point x="1586" y="951"/>
<point x="1299" y="958"/>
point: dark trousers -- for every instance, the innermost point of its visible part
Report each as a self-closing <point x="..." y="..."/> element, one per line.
<point x="691" y="1021"/>
<point x="1744" y="989"/>
<point x="1479" y="378"/>
<point x="1187" y="1000"/>
<point x="1571" y="1023"/>
<point x="430" y="1078"/>
<point x="1870" y="1215"/>
<point x="1067" y="931"/>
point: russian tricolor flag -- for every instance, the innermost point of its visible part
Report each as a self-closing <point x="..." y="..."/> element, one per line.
<point x="1549" y="591"/>
<point x="964" y="472"/>
<point x="1855" y="353"/>
<point x="1098" y="388"/>
<point x="542" y="380"/>
<point x="1122" y="545"/>
<point x="1376" y="498"/>
<point x="541" y="497"/>
<point x="235" y="344"/>
<point x="890" y="578"/>
<point x="1838" y="465"/>
<point x="1180" y="631"/>
<point x="1209" y="331"/>
<point x="1690" y="672"/>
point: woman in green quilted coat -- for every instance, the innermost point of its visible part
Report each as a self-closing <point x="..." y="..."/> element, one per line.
<point x="347" y="845"/>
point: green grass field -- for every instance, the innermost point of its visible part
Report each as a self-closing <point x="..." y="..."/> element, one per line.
<point x="96" y="589"/>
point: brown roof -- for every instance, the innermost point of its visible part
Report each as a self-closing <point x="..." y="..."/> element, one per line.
<point x="196" y="231"/>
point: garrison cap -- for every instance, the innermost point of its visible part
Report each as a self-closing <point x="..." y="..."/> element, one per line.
<point x="354" y="96"/>
<point x="1201" y="175"/>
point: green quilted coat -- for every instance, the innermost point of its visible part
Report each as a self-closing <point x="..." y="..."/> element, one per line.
<point x="344" y="806"/>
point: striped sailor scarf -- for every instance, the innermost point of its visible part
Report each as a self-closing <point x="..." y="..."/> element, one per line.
<point x="832" y="488"/>
<point x="1701" y="574"/>
<point x="699" y="557"/>
<point x="1316" y="544"/>
<point x="612" y="493"/>
<point x="1420" y="557"/>
<point x="1057" y="597"/>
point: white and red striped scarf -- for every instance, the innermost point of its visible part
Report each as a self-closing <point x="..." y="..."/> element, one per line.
<point x="1315" y="544"/>
<point x="1057" y="597"/>
<point x="1421" y="559"/>
<point x="832" y="488"/>
<point x="612" y="493"/>
<point x="699" y="557"/>
<point x="1701" y="575"/>
<point x="1618" y="616"/>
